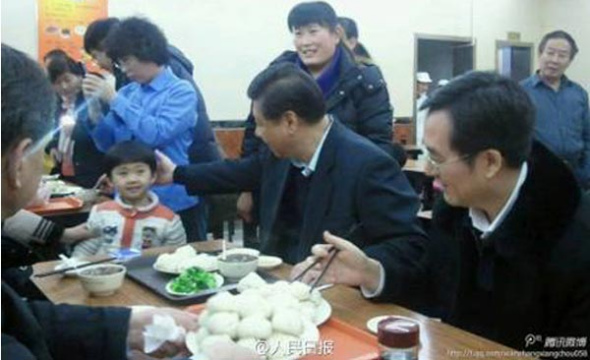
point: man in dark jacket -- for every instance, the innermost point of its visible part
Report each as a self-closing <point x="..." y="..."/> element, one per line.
<point x="356" y="94"/>
<point x="509" y="257"/>
<point x="41" y="330"/>
<point x="315" y="174"/>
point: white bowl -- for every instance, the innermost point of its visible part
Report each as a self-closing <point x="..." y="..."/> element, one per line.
<point x="238" y="262"/>
<point x="102" y="279"/>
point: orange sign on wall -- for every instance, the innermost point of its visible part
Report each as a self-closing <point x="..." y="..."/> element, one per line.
<point x="62" y="24"/>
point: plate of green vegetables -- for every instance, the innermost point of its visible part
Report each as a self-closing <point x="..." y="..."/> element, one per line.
<point x="192" y="281"/>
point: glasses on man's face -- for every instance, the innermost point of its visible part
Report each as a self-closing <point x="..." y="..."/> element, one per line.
<point x="437" y="166"/>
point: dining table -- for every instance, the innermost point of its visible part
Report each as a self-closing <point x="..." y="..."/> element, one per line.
<point x="438" y="340"/>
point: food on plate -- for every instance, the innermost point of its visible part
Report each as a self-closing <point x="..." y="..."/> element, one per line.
<point x="193" y="280"/>
<point x="224" y="323"/>
<point x="287" y="321"/>
<point x="280" y="314"/>
<point x="255" y="326"/>
<point x="223" y="301"/>
<point x="251" y="303"/>
<point x="251" y="281"/>
<point x="183" y="258"/>
<point x="59" y="187"/>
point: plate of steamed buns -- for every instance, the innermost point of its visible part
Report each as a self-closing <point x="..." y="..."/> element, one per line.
<point x="271" y="319"/>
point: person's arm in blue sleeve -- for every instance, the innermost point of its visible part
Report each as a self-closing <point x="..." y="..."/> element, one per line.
<point x="176" y="115"/>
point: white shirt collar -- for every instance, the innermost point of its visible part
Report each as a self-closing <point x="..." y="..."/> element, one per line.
<point x="480" y="220"/>
<point x="309" y="168"/>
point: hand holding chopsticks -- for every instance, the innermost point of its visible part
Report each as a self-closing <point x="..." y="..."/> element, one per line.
<point x="332" y="252"/>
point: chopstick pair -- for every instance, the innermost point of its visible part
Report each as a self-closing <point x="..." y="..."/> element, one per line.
<point x="61" y="271"/>
<point x="333" y="251"/>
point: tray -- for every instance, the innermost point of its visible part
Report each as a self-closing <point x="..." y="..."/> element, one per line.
<point x="140" y="269"/>
<point x="349" y="342"/>
<point x="58" y="205"/>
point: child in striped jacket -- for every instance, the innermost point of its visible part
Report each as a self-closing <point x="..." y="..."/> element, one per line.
<point x="135" y="219"/>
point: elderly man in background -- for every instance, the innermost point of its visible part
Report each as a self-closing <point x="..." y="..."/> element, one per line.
<point x="563" y="117"/>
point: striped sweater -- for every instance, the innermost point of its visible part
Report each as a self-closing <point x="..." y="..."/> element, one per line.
<point x="118" y="225"/>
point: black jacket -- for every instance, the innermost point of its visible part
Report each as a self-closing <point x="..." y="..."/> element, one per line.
<point x="354" y="182"/>
<point x="532" y="277"/>
<point x="43" y="331"/>
<point x="359" y="100"/>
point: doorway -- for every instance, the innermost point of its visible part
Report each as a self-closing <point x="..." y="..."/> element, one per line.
<point x="514" y="59"/>
<point x="443" y="58"/>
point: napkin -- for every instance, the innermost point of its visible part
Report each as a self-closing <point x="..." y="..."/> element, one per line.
<point x="162" y="329"/>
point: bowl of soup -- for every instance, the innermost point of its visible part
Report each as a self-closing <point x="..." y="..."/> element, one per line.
<point x="237" y="263"/>
<point x="103" y="279"/>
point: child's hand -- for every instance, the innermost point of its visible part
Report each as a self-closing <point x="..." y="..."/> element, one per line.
<point x="165" y="170"/>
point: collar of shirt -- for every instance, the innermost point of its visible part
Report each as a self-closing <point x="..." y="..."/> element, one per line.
<point x="538" y="81"/>
<point x="161" y="80"/>
<point x="154" y="201"/>
<point x="480" y="220"/>
<point x="309" y="168"/>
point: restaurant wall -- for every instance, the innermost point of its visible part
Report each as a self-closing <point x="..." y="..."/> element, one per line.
<point x="229" y="41"/>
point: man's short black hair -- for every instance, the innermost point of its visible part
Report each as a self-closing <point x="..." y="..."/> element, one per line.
<point x="349" y="27"/>
<point x="559" y="34"/>
<point x="140" y="38"/>
<point x="97" y="32"/>
<point x="62" y="65"/>
<point x="285" y="87"/>
<point x="127" y="152"/>
<point x="488" y="111"/>
<point x="28" y="100"/>
<point x="307" y="13"/>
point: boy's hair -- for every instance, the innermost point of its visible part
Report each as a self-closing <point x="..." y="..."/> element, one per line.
<point x="97" y="32"/>
<point x="140" y="38"/>
<point x="127" y="152"/>
<point x="61" y="65"/>
<point x="317" y="12"/>
<point x="28" y="100"/>
<point x="283" y="87"/>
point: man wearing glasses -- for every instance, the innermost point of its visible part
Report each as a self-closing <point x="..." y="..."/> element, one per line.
<point x="509" y="253"/>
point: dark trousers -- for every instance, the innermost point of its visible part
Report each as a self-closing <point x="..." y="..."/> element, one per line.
<point x="194" y="220"/>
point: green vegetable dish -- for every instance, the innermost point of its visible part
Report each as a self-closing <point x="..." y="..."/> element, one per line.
<point x="193" y="280"/>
